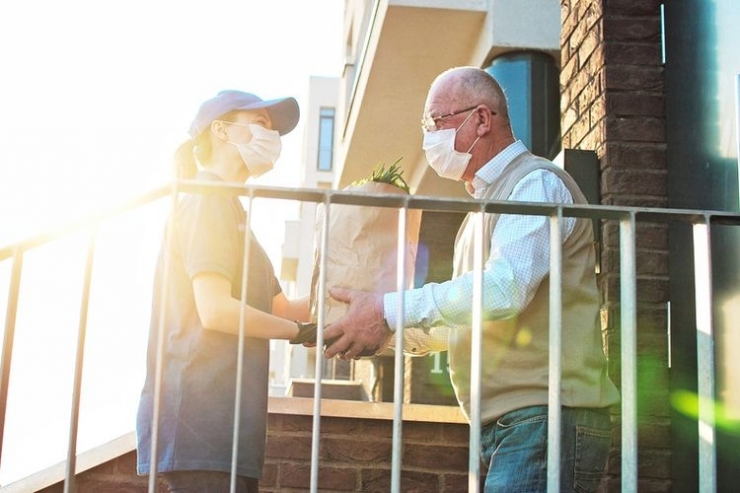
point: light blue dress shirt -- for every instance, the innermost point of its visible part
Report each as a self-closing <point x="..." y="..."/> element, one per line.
<point x="518" y="261"/>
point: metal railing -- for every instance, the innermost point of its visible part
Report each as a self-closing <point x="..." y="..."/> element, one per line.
<point x="626" y="217"/>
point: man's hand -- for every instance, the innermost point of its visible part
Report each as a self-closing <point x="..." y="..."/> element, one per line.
<point x="362" y="331"/>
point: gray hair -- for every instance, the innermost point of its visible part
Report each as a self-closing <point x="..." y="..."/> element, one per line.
<point x="473" y="85"/>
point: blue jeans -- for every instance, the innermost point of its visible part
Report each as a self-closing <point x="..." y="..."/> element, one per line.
<point x="515" y="450"/>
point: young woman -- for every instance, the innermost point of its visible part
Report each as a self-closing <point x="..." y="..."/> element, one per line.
<point x="234" y="136"/>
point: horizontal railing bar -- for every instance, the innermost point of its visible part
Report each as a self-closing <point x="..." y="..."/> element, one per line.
<point x="78" y="225"/>
<point x="439" y="204"/>
<point x="452" y="204"/>
<point x="286" y="193"/>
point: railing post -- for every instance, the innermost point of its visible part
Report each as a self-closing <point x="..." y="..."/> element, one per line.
<point x="705" y="356"/>
<point x="240" y="346"/>
<point x="398" y="371"/>
<point x="320" y="322"/>
<point x="555" y="353"/>
<point x="474" y="447"/>
<point x="71" y="465"/>
<point x="8" y="338"/>
<point x="159" y="358"/>
<point x="628" y="304"/>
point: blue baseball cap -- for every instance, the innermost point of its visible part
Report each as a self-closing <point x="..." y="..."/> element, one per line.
<point x="283" y="112"/>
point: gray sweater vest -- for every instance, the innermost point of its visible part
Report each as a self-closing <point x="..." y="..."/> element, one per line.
<point x="515" y="351"/>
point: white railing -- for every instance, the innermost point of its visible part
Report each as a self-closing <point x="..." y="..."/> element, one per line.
<point x="627" y="217"/>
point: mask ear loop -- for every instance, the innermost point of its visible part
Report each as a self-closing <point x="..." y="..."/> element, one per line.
<point x="466" y="119"/>
<point x="461" y="126"/>
<point x="473" y="145"/>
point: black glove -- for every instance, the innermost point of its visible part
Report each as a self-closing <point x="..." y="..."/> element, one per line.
<point x="306" y="333"/>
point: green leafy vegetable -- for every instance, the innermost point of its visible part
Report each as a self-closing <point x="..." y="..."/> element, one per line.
<point x="391" y="175"/>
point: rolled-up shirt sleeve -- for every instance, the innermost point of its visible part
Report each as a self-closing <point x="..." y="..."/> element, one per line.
<point x="450" y="303"/>
<point x="518" y="261"/>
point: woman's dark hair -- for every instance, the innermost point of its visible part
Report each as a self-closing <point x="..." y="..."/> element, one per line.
<point x="199" y="148"/>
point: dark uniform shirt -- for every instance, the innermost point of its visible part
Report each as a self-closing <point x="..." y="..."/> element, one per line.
<point x="199" y="368"/>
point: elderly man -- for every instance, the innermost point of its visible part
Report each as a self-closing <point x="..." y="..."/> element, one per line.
<point x="468" y="138"/>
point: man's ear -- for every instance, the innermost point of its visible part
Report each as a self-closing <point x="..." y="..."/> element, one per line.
<point x="484" y="119"/>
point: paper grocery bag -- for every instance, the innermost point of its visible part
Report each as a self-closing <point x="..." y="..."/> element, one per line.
<point x="362" y="250"/>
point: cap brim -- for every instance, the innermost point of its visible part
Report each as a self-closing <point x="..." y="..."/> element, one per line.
<point x="284" y="112"/>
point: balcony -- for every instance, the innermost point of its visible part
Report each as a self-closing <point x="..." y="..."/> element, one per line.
<point x="314" y="442"/>
<point x="400" y="47"/>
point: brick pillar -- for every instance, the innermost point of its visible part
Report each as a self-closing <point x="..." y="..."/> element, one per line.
<point x="613" y="103"/>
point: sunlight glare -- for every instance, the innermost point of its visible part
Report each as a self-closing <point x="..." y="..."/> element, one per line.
<point x="91" y="110"/>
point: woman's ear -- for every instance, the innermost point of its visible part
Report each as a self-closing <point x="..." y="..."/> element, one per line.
<point x="219" y="130"/>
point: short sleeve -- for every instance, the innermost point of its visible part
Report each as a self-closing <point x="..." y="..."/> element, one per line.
<point x="209" y="235"/>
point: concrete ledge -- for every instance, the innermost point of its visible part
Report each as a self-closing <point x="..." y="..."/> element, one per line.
<point x="85" y="461"/>
<point x="366" y="410"/>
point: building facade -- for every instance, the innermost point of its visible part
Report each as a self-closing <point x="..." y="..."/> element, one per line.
<point x="649" y="91"/>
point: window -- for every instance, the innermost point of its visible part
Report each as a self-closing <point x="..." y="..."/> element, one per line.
<point x="326" y="139"/>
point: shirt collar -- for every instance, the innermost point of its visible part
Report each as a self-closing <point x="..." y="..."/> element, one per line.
<point x="493" y="168"/>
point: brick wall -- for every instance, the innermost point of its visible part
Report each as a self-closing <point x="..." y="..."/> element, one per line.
<point x="115" y="476"/>
<point x="613" y="103"/>
<point x="355" y="455"/>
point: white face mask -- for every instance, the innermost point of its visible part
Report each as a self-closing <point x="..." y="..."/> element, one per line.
<point x="261" y="152"/>
<point x="439" y="148"/>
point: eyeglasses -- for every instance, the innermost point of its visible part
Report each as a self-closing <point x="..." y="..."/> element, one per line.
<point x="429" y="123"/>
